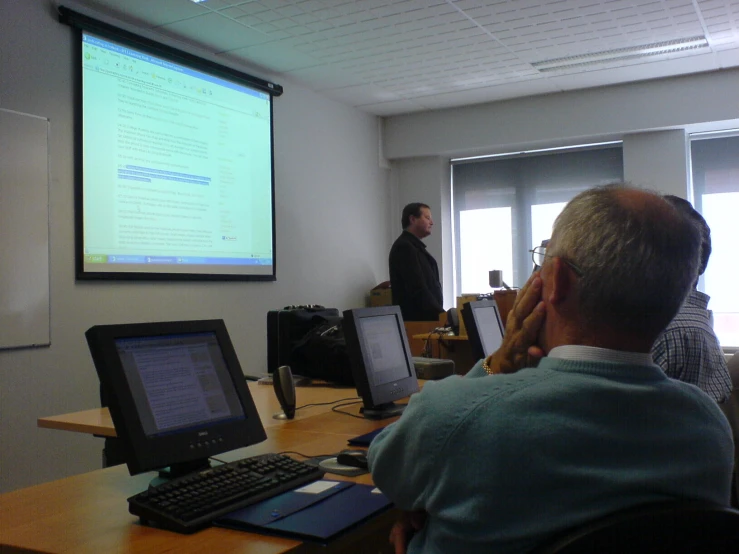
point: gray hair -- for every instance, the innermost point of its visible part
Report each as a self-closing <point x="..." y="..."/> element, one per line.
<point x="638" y="258"/>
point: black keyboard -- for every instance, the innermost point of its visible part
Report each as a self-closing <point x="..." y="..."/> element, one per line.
<point x="190" y="503"/>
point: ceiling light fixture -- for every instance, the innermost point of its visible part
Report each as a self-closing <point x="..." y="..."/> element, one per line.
<point x="621" y="54"/>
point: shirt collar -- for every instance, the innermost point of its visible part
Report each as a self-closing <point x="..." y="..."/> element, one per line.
<point x="415" y="239"/>
<point x="698" y="299"/>
<point x="595" y="354"/>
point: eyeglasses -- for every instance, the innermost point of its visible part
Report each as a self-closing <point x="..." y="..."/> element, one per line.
<point x="540" y="252"/>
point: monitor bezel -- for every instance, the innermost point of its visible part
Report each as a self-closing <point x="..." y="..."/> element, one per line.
<point x="471" y="323"/>
<point x="145" y="453"/>
<point x="374" y="397"/>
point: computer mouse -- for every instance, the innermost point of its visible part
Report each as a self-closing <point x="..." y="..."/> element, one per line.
<point x="353" y="458"/>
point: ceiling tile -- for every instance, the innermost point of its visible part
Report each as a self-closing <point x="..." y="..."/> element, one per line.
<point x="394" y="107"/>
<point x="324" y="77"/>
<point x="364" y="94"/>
<point x="485" y="94"/>
<point x="728" y="58"/>
<point x="278" y="57"/>
<point x="390" y="55"/>
<point x="153" y="14"/>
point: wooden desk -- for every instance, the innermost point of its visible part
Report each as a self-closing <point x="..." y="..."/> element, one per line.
<point x="450" y="347"/>
<point x="97" y="421"/>
<point x="88" y="514"/>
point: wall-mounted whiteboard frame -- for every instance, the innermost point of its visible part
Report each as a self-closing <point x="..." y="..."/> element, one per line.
<point x="24" y="230"/>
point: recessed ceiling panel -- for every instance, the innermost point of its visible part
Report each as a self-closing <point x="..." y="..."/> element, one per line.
<point x="454" y="52"/>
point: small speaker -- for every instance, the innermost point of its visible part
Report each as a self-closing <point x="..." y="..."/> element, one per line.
<point x="282" y="381"/>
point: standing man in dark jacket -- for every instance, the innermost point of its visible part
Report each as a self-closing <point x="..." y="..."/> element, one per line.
<point x="414" y="275"/>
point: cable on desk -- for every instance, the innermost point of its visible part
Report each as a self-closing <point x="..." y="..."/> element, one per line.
<point x="306" y="455"/>
<point x="448" y="345"/>
<point x="356" y="398"/>
<point x="283" y="452"/>
<point x="334" y="409"/>
<point x="427" y="346"/>
<point x="426" y="352"/>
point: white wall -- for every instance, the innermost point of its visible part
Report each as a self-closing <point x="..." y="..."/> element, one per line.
<point x="659" y="161"/>
<point x="653" y="118"/>
<point x="332" y="217"/>
<point x="567" y="118"/>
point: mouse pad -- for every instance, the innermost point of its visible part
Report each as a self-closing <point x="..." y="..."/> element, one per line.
<point x="323" y="510"/>
<point x="330" y="465"/>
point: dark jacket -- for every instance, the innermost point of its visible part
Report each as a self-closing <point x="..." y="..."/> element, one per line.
<point x="414" y="279"/>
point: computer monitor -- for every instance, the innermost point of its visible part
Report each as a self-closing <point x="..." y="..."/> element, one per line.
<point x="175" y="391"/>
<point x="381" y="360"/>
<point x="484" y="326"/>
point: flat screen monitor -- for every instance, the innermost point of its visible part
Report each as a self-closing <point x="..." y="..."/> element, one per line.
<point x="175" y="175"/>
<point x="176" y="392"/>
<point x="484" y="326"/>
<point x="381" y="360"/>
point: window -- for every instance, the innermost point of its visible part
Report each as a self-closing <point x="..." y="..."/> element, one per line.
<point x="505" y="206"/>
<point x="477" y="254"/>
<point x="716" y="196"/>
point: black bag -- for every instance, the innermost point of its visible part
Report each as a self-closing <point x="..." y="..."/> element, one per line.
<point x="321" y="353"/>
<point x="286" y="327"/>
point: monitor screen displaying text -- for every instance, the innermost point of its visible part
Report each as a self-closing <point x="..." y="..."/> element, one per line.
<point x="177" y="168"/>
<point x="179" y="382"/>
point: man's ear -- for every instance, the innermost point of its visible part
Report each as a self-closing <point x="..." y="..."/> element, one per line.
<point x="561" y="281"/>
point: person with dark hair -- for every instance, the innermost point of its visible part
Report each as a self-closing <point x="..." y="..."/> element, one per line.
<point x="414" y="275"/>
<point x="688" y="349"/>
<point x="569" y="420"/>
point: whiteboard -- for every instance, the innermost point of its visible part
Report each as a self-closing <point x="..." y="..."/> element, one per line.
<point x="24" y="230"/>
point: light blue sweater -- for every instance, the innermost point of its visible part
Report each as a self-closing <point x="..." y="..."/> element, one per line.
<point x="503" y="463"/>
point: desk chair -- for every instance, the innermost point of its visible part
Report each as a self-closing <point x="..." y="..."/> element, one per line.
<point x="679" y="527"/>
<point x="730" y="407"/>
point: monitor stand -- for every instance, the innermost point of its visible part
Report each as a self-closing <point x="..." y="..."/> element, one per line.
<point x="180" y="469"/>
<point x="383" y="411"/>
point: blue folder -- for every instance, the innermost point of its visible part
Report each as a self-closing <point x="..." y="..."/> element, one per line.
<point x="366" y="439"/>
<point x="319" y="517"/>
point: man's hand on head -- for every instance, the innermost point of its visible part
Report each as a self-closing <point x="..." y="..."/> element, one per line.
<point x="519" y="348"/>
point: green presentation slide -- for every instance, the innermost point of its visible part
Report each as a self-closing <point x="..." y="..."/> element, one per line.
<point x="177" y="167"/>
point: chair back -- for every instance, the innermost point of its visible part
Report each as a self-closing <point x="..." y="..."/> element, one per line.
<point x="733" y="364"/>
<point x="730" y="407"/>
<point x="680" y="527"/>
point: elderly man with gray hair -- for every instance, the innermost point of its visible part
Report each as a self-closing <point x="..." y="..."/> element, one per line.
<point x="570" y="419"/>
